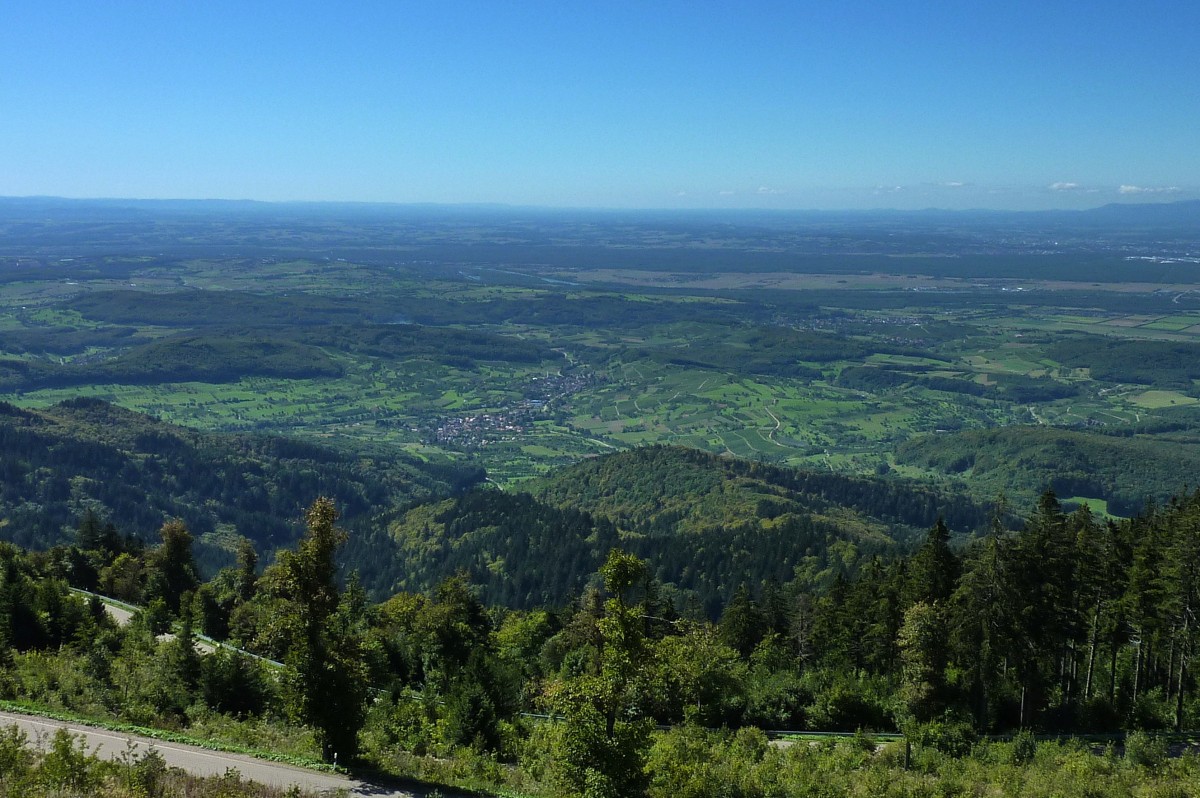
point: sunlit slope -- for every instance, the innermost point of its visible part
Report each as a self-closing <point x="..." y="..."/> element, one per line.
<point x="136" y="472"/>
<point x="706" y="524"/>
<point x="666" y="490"/>
<point x="1123" y="470"/>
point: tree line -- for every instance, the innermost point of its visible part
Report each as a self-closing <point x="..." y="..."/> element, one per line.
<point x="1069" y="624"/>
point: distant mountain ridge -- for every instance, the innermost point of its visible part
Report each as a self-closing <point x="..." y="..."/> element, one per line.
<point x="1177" y="211"/>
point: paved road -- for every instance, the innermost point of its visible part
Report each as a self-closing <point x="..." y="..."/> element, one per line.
<point x="119" y="614"/>
<point x="107" y="745"/>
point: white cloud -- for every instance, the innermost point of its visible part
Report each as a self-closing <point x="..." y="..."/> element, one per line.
<point x="1064" y="186"/>
<point x="680" y="193"/>
<point x="1148" y="190"/>
<point x="888" y="189"/>
<point x="952" y="184"/>
<point x="726" y="193"/>
<point x="769" y="190"/>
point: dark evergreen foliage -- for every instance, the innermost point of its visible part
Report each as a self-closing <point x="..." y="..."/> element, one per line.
<point x="135" y="473"/>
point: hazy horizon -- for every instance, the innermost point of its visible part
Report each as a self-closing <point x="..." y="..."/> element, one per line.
<point x="1125" y="202"/>
<point x="769" y="106"/>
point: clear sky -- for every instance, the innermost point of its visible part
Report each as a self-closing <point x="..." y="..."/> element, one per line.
<point x="830" y="104"/>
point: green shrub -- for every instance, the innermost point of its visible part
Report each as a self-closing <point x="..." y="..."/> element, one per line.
<point x="1145" y="750"/>
<point x="953" y="738"/>
<point x="1023" y="748"/>
<point x="67" y="766"/>
<point x="15" y="756"/>
<point x="471" y="719"/>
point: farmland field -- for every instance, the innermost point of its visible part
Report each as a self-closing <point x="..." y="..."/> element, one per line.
<point x="527" y="358"/>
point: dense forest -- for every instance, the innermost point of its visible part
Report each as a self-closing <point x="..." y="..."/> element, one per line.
<point x="1067" y="624"/>
<point x="228" y="354"/>
<point x="1004" y="387"/>
<point x="1072" y="462"/>
<point x="137" y="472"/>
<point x="1164" y="364"/>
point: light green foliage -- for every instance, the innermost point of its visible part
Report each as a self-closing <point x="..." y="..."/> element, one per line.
<point x="1145" y="750"/>
<point x="602" y="740"/>
<point x="698" y="678"/>
<point x="692" y="762"/>
<point x="67" y="766"/>
<point x="16" y="757"/>
<point x="923" y="651"/>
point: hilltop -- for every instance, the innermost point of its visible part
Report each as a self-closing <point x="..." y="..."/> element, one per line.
<point x="705" y="524"/>
<point x="673" y="490"/>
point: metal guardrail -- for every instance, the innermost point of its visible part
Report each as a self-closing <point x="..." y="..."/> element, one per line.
<point x="211" y="641"/>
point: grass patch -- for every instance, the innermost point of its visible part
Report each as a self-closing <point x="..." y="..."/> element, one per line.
<point x="1099" y="507"/>
<point x="1153" y="400"/>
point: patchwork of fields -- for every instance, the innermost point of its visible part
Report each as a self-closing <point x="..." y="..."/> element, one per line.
<point x="529" y="366"/>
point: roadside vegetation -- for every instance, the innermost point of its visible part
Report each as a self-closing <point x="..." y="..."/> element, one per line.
<point x="66" y="767"/>
<point x="1069" y="625"/>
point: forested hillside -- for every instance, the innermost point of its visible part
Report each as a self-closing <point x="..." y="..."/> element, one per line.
<point x="524" y="553"/>
<point x="519" y="552"/>
<point x="668" y="490"/>
<point x="1067" y="625"/>
<point x="226" y="354"/>
<point x="1124" y="470"/>
<point x="136" y="472"/>
<point x="704" y="524"/>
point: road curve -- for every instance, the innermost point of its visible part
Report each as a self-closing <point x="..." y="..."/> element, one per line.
<point x="202" y="762"/>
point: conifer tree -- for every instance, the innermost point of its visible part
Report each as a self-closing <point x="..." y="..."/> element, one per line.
<point x="923" y="651"/>
<point x="984" y="613"/>
<point x="934" y="569"/>
<point x="170" y="569"/>
<point x="326" y="676"/>
<point x="742" y="623"/>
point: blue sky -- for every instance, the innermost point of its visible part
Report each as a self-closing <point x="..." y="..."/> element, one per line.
<point x="837" y="104"/>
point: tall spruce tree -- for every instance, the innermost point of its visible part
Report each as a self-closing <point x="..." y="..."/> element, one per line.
<point x="326" y="675"/>
<point x="170" y="568"/>
<point x="934" y="569"/>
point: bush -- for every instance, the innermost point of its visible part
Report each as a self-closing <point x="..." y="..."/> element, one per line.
<point x="471" y="719"/>
<point x="953" y="738"/>
<point x="1145" y="750"/>
<point x="1152" y="710"/>
<point x="15" y="756"/>
<point x="845" y="705"/>
<point x="67" y="767"/>
<point x="1023" y="748"/>
<point x="233" y="684"/>
<point x="406" y="722"/>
